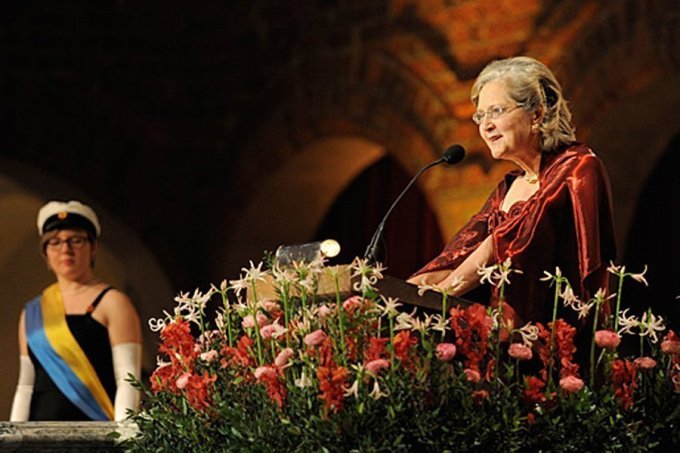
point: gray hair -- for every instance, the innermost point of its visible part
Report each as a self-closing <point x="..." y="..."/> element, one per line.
<point x="532" y="84"/>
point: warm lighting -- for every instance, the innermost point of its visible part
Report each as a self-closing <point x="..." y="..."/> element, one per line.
<point x="287" y="254"/>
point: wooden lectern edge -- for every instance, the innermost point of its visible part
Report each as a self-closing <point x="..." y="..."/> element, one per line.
<point x="388" y="286"/>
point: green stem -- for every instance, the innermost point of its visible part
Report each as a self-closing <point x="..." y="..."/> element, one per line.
<point x="642" y="346"/>
<point x="341" y="319"/>
<point x="285" y="290"/>
<point x="501" y="298"/>
<point x="391" y="321"/>
<point x="227" y="312"/>
<point x="257" y="325"/>
<point x="618" y="304"/>
<point x="551" y="360"/>
<point x="592" y="346"/>
<point x="444" y="304"/>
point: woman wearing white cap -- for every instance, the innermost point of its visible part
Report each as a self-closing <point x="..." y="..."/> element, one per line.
<point x="80" y="338"/>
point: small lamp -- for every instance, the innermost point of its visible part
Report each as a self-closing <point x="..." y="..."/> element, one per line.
<point x="287" y="254"/>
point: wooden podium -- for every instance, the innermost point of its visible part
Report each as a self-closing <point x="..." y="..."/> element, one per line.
<point x="388" y="286"/>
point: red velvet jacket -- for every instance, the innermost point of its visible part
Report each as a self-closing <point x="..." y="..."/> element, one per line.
<point x="567" y="223"/>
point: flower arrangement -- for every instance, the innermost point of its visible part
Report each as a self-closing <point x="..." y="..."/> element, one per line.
<point x="302" y="373"/>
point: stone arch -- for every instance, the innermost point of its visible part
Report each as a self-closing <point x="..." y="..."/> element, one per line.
<point x="122" y="261"/>
<point x="381" y="103"/>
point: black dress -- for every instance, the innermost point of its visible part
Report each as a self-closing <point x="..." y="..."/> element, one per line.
<point x="47" y="401"/>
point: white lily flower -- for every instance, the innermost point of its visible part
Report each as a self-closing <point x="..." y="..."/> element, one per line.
<point x="303" y="381"/>
<point x="376" y="393"/>
<point x="569" y="298"/>
<point x="640" y="278"/>
<point x="283" y="276"/>
<point x="616" y="270"/>
<point x="548" y="276"/>
<point x="627" y="323"/>
<point x="220" y="320"/>
<point x="487" y="273"/>
<point x="353" y="390"/>
<point x="160" y="363"/>
<point x="369" y="275"/>
<point x="439" y="324"/>
<point x="254" y="272"/>
<point x="529" y="334"/>
<point x="391" y="306"/>
<point x="650" y="325"/>
<point x="156" y="324"/>
<point x="423" y="287"/>
<point x="405" y="321"/>
<point x="504" y="271"/>
<point x="239" y="285"/>
<point x="583" y="309"/>
<point x="422" y="325"/>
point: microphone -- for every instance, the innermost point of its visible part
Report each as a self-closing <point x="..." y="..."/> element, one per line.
<point x="452" y="155"/>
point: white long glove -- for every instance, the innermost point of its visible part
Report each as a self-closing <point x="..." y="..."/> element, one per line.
<point x="127" y="359"/>
<point x="21" y="405"/>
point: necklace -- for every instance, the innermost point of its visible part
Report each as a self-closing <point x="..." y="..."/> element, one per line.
<point x="531" y="179"/>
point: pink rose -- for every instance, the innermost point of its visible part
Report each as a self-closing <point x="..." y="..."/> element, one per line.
<point x="324" y="311"/>
<point x="315" y="338"/>
<point x="671" y="347"/>
<point x="352" y="303"/>
<point x="644" y="363"/>
<point x="607" y="339"/>
<point x="571" y="384"/>
<point x="209" y="356"/>
<point x="183" y="380"/>
<point x="249" y="322"/>
<point x="272" y="330"/>
<point x="472" y="375"/>
<point x="282" y="357"/>
<point x="265" y="371"/>
<point x="445" y="351"/>
<point x="520" y="351"/>
<point x="270" y="306"/>
<point x="374" y="366"/>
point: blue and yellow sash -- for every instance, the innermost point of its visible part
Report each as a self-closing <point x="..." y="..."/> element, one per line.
<point x="61" y="356"/>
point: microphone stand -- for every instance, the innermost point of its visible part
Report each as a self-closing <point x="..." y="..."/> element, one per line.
<point x="372" y="249"/>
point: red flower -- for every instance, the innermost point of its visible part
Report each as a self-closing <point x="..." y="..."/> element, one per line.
<point x="270" y="377"/>
<point x="178" y="343"/>
<point x="563" y="348"/>
<point x="198" y="389"/>
<point x="623" y="377"/>
<point x="533" y="393"/>
<point x="164" y="378"/>
<point x="472" y="326"/>
<point x="376" y="349"/>
<point x="403" y="348"/>
<point x="240" y="356"/>
<point x="332" y="381"/>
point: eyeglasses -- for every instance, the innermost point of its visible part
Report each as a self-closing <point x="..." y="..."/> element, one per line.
<point x="74" y="242"/>
<point x="493" y="113"/>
